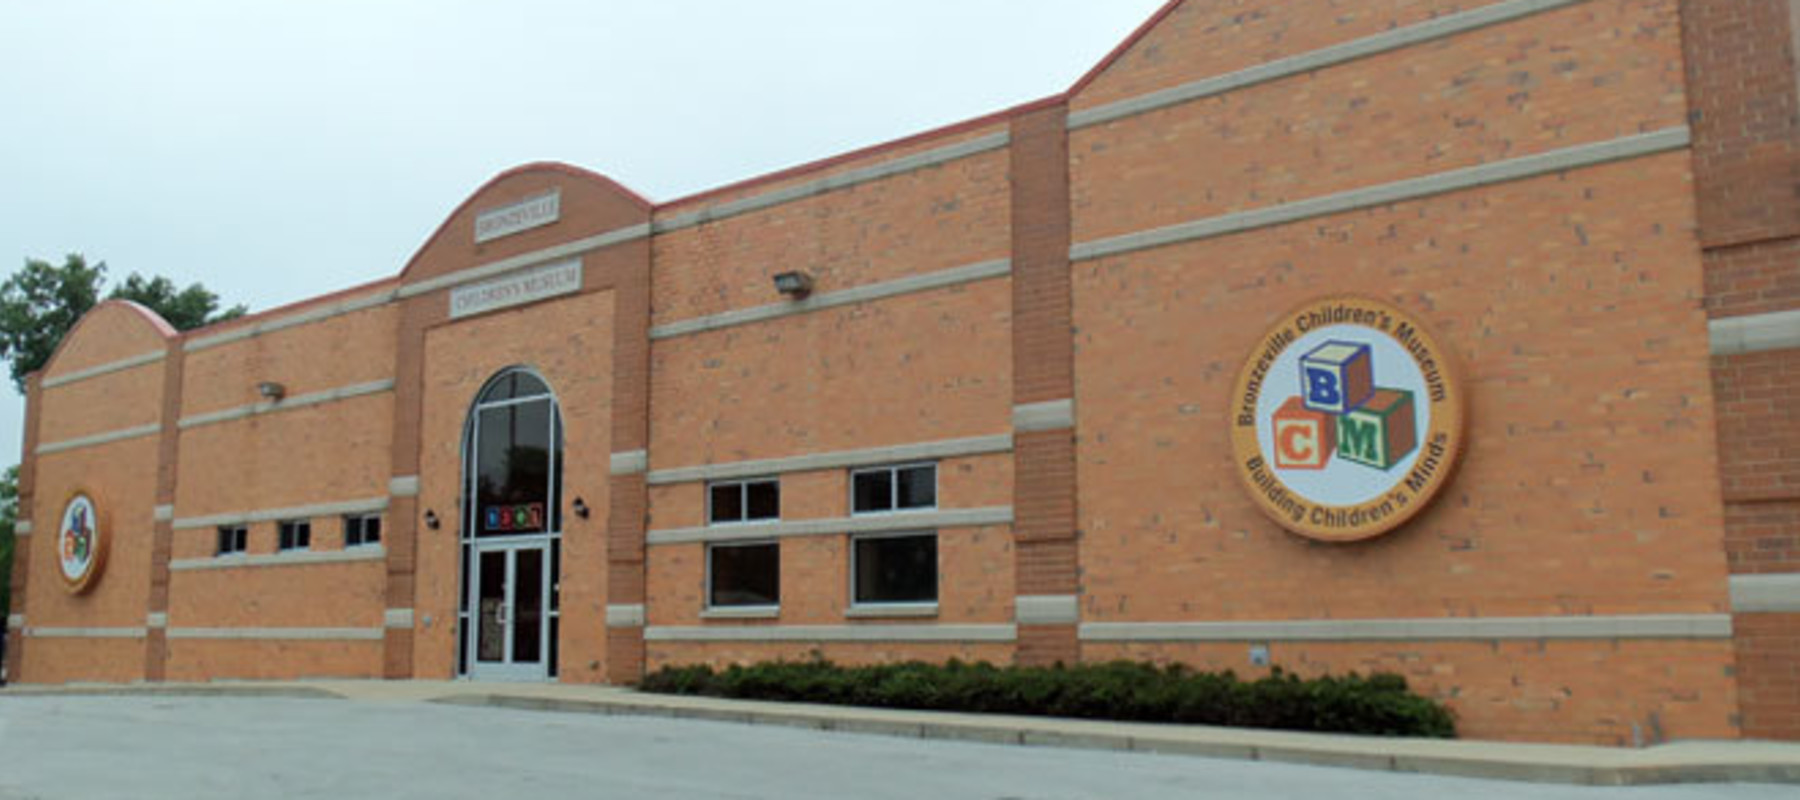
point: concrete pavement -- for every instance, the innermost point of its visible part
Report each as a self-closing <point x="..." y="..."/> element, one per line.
<point x="1682" y="762"/>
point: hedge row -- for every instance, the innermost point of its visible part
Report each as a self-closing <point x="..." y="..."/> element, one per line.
<point x="1376" y="705"/>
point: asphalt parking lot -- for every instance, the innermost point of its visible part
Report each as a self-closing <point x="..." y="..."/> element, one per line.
<point x="187" y="747"/>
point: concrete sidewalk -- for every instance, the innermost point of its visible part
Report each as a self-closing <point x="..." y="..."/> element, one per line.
<point x="1684" y="762"/>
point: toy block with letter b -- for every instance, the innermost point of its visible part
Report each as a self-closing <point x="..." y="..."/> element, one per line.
<point x="1304" y="438"/>
<point x="1380" y="432"/>
<point x="1336" y="377"/>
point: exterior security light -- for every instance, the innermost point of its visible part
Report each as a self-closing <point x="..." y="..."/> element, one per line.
<point x="581" y="508"/>
<point x="796" y="285"/>
<point x="271" y="391"/>
<point x="431" y="519"/>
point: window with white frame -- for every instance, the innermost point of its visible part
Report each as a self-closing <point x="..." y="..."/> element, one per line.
<point x="233" y="540"/>
<point x="362" y="529"/>
<point x="729" y="502"/>
<point x="894" y="569"/>
<point x="296" y="534"/>
<point x="743" y="575"/>
<point x="908" y="487"/>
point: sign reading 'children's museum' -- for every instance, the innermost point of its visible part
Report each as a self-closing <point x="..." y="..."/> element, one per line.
<point x="1347" y="419"/>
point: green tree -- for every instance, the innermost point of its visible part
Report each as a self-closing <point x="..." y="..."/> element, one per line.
<point x="40" y="303"/>
<point x="186" y="309"/>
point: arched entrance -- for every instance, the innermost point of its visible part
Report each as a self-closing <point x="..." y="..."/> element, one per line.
<point x="511" y="530"/>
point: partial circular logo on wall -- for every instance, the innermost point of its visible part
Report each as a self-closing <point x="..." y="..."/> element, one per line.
<point x="1347" y="419"/>
<point x="81" y="543"/>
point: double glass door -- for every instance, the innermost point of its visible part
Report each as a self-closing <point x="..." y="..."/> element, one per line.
<point x="511" y="630"/>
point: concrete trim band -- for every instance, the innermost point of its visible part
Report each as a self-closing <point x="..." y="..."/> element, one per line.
<point x="1663" y="626"/>
<point x="324" y="312"/>
<point x="842" y="180"/>
<point x="22" y="528"/>
<point x="403" y="486"/>
<point x="397" y="618"/>
<point x="298" y="558"/>
<point x="282" y="634"/>
<point x="162" y="513"/>
<point x="86" y="633"/>
<point x="105" y="369"/>
<point x="1398" y="38"/>
<point x="287" y="404"/>
<point x="15" y="621"/>
<point x="625" y="616"/>
<point x="632" y="462"/>
<point x="156" y="620"/>
<point x="901" y="521"/>
<point x="1765" y="594"/>
<point x="525" y="260"/>
<point x="834" y="633"/>
<point x="1049" y="609"/>
<point x="911" y="284"/>
<point x="868" y="457"/>
<point x="367" y="506"/>
<point x="99" y="439"/>
<point x="1755" y="333"/>
<point x="1579" y="156"/>
<point x="1054" y="415"/>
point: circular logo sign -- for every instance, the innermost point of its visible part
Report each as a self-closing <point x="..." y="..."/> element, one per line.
<point x="1347" y="419"/>
<point x="80" y="543"/>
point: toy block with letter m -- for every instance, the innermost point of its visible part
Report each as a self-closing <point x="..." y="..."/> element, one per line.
<point x="1381" y="432"/>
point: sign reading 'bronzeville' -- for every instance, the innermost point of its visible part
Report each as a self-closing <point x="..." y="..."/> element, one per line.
<point x="518" y="288"/>
<point x="532" y="212"/>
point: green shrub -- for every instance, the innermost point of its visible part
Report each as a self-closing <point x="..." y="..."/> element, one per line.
<point x="1378" y="704"/>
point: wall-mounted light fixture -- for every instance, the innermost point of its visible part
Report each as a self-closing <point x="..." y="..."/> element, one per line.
<point x="271" y="391"/>
<point x="796" y="285"/>
<point x="581" y="509"/>
<point x="431" y="519"/>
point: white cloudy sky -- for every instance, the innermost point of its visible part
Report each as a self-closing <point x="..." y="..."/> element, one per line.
<point x="279" y="150"/>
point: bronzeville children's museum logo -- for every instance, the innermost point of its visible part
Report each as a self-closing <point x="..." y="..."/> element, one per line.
<point x="80" y="543"/>
<point x="1347" y="419"/>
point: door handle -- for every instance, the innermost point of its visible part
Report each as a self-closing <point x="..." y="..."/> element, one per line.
<point x="501" y="615"/>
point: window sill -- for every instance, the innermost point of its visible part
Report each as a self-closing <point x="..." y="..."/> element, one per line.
<point x="748" y="612"/>
<point x="897" y="611"/>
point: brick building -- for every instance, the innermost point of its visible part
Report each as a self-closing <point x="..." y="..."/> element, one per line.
<point x="986" y="414"/>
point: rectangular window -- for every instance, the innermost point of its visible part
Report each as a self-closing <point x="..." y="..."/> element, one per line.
<point x="233" y="539"/>
<point x="894" y="568"/>
<point x="743" y="501"/>
<point x="743" y="575"/>
<point x="912" y="487"/>
<point x="362" y="530"/>
<point x="296" y="535"/>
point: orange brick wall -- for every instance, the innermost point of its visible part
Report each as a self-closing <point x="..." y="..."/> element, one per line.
<point x="1496" y="93"/>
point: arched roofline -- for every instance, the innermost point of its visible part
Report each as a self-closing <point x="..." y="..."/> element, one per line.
<point x="150" y="318"/>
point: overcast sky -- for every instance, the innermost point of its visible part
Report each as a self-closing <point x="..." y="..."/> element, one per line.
<point x="277" y="151"/>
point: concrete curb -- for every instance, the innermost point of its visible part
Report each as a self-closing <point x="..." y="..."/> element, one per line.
<point x="1699" y="762"/>
<point x="1683" y="762"/>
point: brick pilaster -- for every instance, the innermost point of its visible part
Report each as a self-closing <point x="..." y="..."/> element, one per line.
<point x="625" y="585"/>
<point x="162" y="533"/>
<point x="1046" y="560"/>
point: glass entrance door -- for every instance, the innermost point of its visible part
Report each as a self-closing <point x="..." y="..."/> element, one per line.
<point x="511" y="531"/>
<point x="512" y="591"/>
